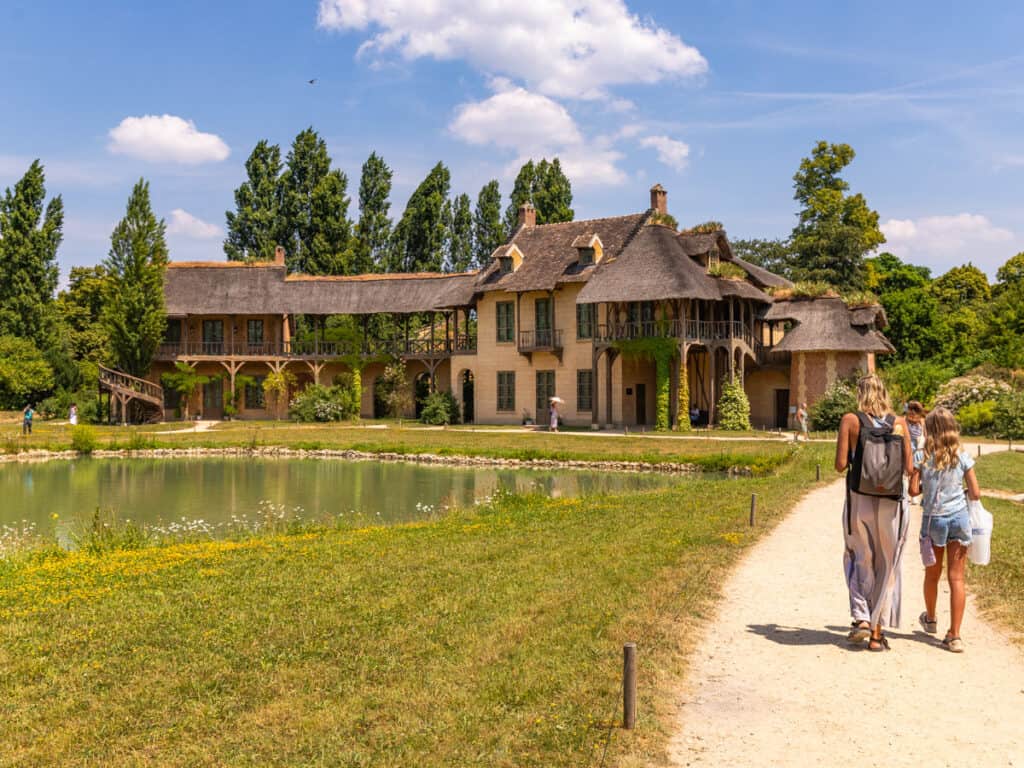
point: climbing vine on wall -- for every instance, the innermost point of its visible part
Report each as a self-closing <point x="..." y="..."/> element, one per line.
<point x="662" y="352"/>
<point x="683" y="401"/>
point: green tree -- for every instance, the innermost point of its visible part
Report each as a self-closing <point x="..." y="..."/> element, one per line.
<point x="315" y="207"/>
<point x="80" y="309"/>
<point x="257" y="226"/>
<point x="774" y="255"/>
<point x="1003" y="333"/>
<point x="835" y="229"/>
<point x="547" y="188"/>
<point x="460" y="237"/>
<point x="25" y="376"/>
<point x="373" y="231"/>
<point x="186" y="381"/>
<point x="29" y="238"/>
<point x="915" y="325"/>
<point x="133" y="310"/>
<point x="1012" y="272"/>
<point x="962" y="285"/>
<point x="488" y="230"/>
<point x="419" y="239"/>
<point x="886" y="273"/>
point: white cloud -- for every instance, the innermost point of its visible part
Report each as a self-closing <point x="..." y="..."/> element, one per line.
<point x="671" y="152"/>
<point x="184" y="223"/>
<point x="166" y="138"/>
<point x="942" y="242"/>
<point x="565" y="48"/>
<point x="534" y="126"/>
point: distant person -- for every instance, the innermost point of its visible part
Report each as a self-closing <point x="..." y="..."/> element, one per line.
<point x="915" y="424"/>
<point x="944" y="466"/>
<point x="26" y="420"/>
<point x="875" y="516"/>
<point x="554" y="416"/>
<point x="801" y="419"/>
<point x="73" y="415"/>
<point x="694" y="415"/>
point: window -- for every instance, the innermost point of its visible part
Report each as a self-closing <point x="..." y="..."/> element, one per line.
<point x="213" y="337"/>
<point x="172" y="398"/>
<point x="584" y="321"/>
<point x="542" y="314"/>
<point x="586" y="256"/>
<point x="584" y="390"/>
<point x="545" y="391"/>
<point x="506" y="390"/>
<point x="254" y="396"/>
<point x="504" y="264"/>
<point x="173" y="333"/>
<point x="255" y="331"/>
<point x="506" y="321"/>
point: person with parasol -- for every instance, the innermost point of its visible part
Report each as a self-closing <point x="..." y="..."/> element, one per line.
<point x="554" y="403"/>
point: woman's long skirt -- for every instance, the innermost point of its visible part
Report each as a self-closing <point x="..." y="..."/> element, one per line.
<point x="875" y="532"/>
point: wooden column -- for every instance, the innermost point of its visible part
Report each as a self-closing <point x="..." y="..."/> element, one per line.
<point x="673" y="394"/>
<point x="595" y="418"/>
<point x="712" y="375"/>
<point x="608" y="387"/>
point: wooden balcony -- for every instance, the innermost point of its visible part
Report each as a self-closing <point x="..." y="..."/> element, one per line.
<point x="544" y="340"/>
<point x="695" y="331"/>
<point x="419" y="348"/>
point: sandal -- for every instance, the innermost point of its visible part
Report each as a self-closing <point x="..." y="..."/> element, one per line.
<point x="880" y="643"/>
<point x="953" y="644"/>
<point x="861" y="631"/>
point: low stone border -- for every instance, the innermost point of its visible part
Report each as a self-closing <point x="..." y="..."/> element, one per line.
<point x="670" y="468"/>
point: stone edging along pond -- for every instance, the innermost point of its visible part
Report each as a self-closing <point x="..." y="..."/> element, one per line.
<point x="669" y="468"/>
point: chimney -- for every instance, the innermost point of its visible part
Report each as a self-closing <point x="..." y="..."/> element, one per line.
<point x="279" y="256"/>
<point x="527" y="215"/>
<point x="659" y="199"/>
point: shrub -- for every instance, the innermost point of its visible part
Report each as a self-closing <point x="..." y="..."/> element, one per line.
<point x="734" y="407"/>
<point x="24" y="373"/>
<point x="83" y="439"/>
<point x="915" y="380"/>
<point x="319" y="403"/>
<point x="828" y="411"/>
<point x="1009" y="416"/>
<point x="977" y="418"/>
<point x="957" y="393"/>
<point x="440" y="408"/>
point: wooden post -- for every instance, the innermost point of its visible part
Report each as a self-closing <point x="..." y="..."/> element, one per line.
<point x="979" y="450"/>
<point x="629" y="686"/>
<point x="753" y="509"/>
<point x="817" y="473"/>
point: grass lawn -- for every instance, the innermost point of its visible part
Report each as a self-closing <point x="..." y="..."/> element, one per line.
<point x="491" y="637"/>
<point x="516" y="444"/>
<point x="1002" y="471"/>
<point x="999" y="586"/>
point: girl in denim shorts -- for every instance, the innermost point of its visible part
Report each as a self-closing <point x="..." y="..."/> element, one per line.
<point x="943" y="468"/>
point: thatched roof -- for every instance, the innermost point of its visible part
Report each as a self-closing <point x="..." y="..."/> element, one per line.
<point x="224" y="288"/>
<point x="872" y="316"/>
<point x="551" y="254"/>
<point x="825" y="325"/>
<point x="653" y="266"/>
<point x="741" y="289"/>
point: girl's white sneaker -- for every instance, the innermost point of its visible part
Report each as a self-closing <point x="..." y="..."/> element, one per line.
<point x="931" y="626"/>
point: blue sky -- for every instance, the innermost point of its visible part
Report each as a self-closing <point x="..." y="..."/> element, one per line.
<point x="717" y="101"/>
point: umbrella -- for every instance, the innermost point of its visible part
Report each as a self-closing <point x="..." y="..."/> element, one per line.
<point x="557" y="400"/>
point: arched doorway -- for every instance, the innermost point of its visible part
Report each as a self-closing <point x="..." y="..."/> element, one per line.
<point x="466" y="379"/>
<point x="380" y="393"/>
<point x="421" y="390"/>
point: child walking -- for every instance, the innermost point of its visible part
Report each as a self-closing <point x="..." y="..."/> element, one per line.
<point x="944" y="467"/>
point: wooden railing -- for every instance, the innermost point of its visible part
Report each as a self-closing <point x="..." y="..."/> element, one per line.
<point x="313" y="349"/>
<point x="690" y="330"/>
<point x="123" y="383"/>
<point x="537" y="340"/>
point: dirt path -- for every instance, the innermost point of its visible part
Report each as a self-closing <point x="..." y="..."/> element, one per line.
<point x="775" y="682"/>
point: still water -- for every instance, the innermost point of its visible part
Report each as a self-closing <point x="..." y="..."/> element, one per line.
<point x="161" y="491"/>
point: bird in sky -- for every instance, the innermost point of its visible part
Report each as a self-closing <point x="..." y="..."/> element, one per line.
<point x="312" y="82"/>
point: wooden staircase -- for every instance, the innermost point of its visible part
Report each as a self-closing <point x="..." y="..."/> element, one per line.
<point x="124" y="388"/>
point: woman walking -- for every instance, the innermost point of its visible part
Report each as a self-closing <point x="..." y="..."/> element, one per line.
<point x="915" y="424"/>
<point x="873" y="446"/>
<point x="946" y="524"/>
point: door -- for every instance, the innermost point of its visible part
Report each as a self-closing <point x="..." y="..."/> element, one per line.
<point x="782" y="408"/>
<point x="213" y="337"/>
<point x="213" y="400"/>
<point x="545" y="391"/>
<point x="542" y="322"/>
<point x="641" y="403"/>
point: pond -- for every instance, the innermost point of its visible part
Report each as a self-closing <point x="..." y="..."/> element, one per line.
<point x="158" y="492"/>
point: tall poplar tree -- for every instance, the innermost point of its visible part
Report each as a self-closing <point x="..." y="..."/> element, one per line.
<point x="522" y="192"/>
<point x="488" y="229"/>
<point x="315" y="208"/>
<point x="373" y="232"/>
<point x="133" y="309"/>
<point x="460" y="235"/>
<point x="30" y="235"/>
<point x="418" y="244"/>
<point x="256" y="226"/>
<point x="547" y="188"/>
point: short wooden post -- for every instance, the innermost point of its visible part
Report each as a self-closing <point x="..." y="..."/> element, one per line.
<point x="753" y="509"/>
<point x="979" y="450"/>
<point x="629" y="686"/>
<point x="817" y="473"/>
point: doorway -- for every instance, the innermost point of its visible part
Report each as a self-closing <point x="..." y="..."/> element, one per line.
<point x="782" y="408"/>
<point x="467" y="397"/>
<point x="545" y="391"/>
<point x="213" y="400"/>
<point x="641" y="403"/>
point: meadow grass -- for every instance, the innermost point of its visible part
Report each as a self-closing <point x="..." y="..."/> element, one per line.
<point x="1002" y="471"/>
<point x="706" y="452"/>
<point x="491" y="636"/>
<point x="999" y="586"/>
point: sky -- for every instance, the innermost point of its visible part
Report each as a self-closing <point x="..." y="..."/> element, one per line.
<point x="717" y="101"/>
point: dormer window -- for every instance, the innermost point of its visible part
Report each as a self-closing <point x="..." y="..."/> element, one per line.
<point x="589" y="249"/>
<point x="504" y="264"/>
<point x="586" y="256"/>
<point x="713" y="259"/>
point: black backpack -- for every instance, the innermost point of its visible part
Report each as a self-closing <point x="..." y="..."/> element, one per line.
<point x="877" y="467"/>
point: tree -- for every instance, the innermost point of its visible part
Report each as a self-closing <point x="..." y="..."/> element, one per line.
<point x="915" y="325"/>
<point x="257" y="225"/>
<point x="460" y="237"/>
<point x="80" y="309"/>
<point x="886" y="273"/>
<point x="1003" y="333"/>
<point x="488" y="230"/>
<point x="185" y="381"/>
<point x="1012" y="272"/>
<point x="315" y="206"/>
<point x="29" y="239"/>
<point x="835" y="230"/>
<point x="547" y="188"/>
<point x="420" y="237"/>
<point x="962" y="285"/>
<point x="774" y="255"/>
<point x="133" y="309"/>
<point x="25" y="376"/>
<point x="374" y="228"/>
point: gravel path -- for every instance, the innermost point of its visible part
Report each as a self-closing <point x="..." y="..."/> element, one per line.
<point x="775" y="683"/>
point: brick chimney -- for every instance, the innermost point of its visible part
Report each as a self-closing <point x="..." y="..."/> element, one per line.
<point x="279" y="256"/>
<point x="659" y="199"/>
<point x="527" y="215"/>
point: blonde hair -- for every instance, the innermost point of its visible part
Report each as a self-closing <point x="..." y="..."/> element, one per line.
<point x="942" y="438"/>
<point x="872" y="397"/>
